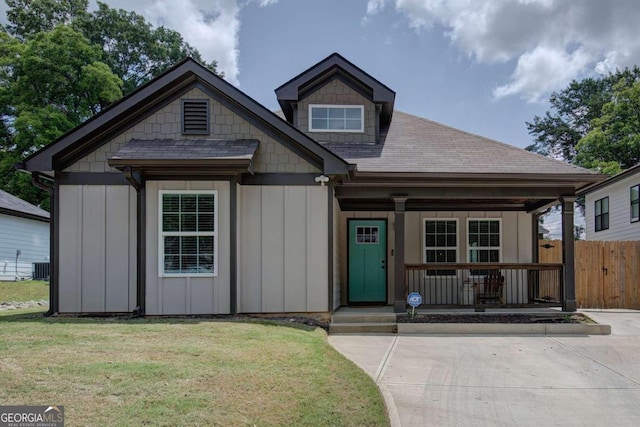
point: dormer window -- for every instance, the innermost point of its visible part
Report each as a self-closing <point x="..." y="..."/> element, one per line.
<point x="336" y="118"/>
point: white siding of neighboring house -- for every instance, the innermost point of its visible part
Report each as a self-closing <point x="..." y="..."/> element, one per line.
<point x="97" y="248"/>
<point x="283" y="249"/>
<point x="188" y="295"/>
<point x="517" y="245"/>
<point x="29" y="236"/>
<point x="620" y="225"/>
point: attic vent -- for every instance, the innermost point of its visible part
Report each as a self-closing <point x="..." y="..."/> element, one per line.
<point x="195" y="117"/>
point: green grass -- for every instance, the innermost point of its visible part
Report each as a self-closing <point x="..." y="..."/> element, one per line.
<point x="34" y="290"/>
<point x="182" y="372"/>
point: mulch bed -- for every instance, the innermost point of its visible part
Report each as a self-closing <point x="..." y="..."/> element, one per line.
<point x="493" y="318"/>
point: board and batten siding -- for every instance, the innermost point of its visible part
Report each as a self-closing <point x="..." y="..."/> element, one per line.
<point x="97" y="249"/>
<point x="620" y="225"/>
<point x="517" y="244"/>
<point x="187" y="295"/>
<point x="283" y="249"/>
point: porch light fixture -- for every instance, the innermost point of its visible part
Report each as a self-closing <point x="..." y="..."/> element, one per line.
<point x="322" y="179"/>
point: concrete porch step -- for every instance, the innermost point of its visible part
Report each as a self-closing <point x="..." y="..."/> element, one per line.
<point x="363" y="327"/>
<point x="363" y="318"/>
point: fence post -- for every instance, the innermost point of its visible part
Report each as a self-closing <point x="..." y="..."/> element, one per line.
<point x="569" y="302"/>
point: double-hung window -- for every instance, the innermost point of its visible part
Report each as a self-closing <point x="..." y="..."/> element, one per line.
<point x="483" y="242"/>
<point x="440" y="244"/>
<point x="635" y="203"/>
<point x="602" y="214"/>
<point x="188" y="233"/>
<point x="336" y="118"/>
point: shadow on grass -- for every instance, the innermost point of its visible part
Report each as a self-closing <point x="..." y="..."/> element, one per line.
<point x="33" y="316"/>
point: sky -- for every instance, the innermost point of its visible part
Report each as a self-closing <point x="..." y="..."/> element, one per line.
<point x="483" y="66"/>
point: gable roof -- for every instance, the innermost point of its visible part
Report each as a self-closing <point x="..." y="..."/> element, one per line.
<point x="12" y="205"/>
<point x="335" y="65"/>
<point x="412" y="144"/>
<point x="615" y="178"/>
<point x="135" y="106"/>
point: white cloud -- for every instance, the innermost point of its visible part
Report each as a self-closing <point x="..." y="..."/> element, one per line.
<point x="543" y="67"/>
<point x="375" y="6"/>
<point x="211" y="26"/>
<point x="550" y="41"/>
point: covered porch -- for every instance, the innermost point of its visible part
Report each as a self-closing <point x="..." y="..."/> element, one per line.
<point x="461" y="242"/>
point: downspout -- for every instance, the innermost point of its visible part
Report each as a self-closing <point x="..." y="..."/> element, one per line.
<point x="140" y="279"/>
<point x="36" y="179"/>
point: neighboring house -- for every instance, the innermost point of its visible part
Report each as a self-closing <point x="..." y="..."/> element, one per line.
<point x="612" y="207"/>
<point x="24" y="237"/>
<point x="189" y="197"/>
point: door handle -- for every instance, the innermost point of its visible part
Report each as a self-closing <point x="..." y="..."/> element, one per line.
<point x="382" y="264"/>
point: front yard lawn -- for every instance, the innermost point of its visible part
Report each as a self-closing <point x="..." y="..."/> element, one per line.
<point x="33" y="290"/>
<point x="182" y="372"/>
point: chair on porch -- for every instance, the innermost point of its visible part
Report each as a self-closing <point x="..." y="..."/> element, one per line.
<point x="491" y="291"/>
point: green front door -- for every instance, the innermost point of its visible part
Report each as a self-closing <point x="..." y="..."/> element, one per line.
<point x="367" y="261"/>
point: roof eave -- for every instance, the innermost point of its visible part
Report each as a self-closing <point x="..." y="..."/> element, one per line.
<point x="610" y="180"/>
<point x="182" y="74"/>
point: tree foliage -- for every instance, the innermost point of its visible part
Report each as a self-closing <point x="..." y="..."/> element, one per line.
<point x="50" y="84"/>
<point x="61" y="64"/>
<point x="613" y="143"/>
<point x="133" y="49"/>
<point x="572" y="113"/>
<point x="30" y="17"/>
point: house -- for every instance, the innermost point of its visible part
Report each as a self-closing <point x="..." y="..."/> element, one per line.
<point x="24" y="237"/>
<point x="189" y="197"/>
<point x="612" y="207"/>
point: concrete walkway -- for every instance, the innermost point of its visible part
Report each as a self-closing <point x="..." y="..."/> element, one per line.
<point x="492" y="380"/>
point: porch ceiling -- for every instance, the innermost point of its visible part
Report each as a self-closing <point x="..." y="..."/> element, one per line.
<point x="467" y="198"/>
<point x="348" y="204"/>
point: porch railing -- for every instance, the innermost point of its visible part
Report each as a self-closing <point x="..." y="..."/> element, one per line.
<point x="468" y="284"/>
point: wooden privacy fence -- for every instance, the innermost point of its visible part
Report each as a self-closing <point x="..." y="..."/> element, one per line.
<point x="607" y="273"/>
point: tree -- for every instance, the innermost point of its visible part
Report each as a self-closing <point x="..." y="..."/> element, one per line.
<point x="48" y="85"/>
<point x="133" y="49"/>
<point x="613" y="143"/>
<point x="61" y="64"/>
<point x="572" y="113"/>
<point x="30" y="17"/>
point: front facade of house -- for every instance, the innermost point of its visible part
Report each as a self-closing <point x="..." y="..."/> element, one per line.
<point x="188" y="197"/>
<point x="612" y="208"/>
<point x="25" y="238"/>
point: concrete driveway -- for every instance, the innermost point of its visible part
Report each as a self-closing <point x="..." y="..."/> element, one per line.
<point x="494" y="380"/>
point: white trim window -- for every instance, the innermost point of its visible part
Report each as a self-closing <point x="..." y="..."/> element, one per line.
<point x="634" y="196"/>
<point x="336" y="118"/>
<point x="484" y="242"/>
<point x="188" y="238"/>
<point x="440" y="244"/>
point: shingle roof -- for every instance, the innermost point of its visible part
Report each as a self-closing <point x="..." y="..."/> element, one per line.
<point x="187" y="149"/>
<point x="414" y="144"/>
<point x="12" y="203"/>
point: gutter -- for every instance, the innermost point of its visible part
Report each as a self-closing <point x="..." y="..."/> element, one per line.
<point x="37" y="180"/>
<point x="138" y="185"/>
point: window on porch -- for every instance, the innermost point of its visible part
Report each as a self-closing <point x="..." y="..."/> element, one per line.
<point x="440" y="244"/>
<point x="483" y="242"/>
